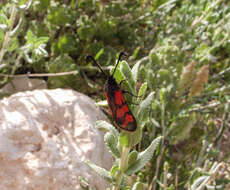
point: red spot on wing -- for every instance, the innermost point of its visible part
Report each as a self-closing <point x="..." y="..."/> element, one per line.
<point x="120" y="112"/>
<point x="119" y="98"/>
<point x="128" y="119"/>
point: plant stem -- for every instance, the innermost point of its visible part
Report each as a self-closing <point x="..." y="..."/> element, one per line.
<point x="123" y="166"/>
<point x="163" y="147"/>
<point x="165" y="187"/>
<point x="205" y="144"/>
<point x="153" y="184"/>
<point x="7" y="36"/>
<point x="212" y="173"/>
<point x="176" y="179"/>
<point x="124" y="158"/>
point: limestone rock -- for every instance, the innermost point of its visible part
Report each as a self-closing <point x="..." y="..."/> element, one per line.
<point x="45" y="135"/>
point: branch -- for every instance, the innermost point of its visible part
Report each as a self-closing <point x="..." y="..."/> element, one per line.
<point x="212" y="105"/>
<point x="91" y="68"/>
<point x="40" y="74"/>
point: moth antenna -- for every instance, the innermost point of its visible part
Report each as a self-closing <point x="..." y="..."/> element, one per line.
<point x="119" y="58"/>
<point x="90" y="57"/>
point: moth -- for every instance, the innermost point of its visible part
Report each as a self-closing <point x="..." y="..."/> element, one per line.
<point x="117" y="104"/>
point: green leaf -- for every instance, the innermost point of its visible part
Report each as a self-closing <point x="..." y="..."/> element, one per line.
<point x="29" y="36"/>
<point x="144" y="109"/>
<point x="62" y="63"/>
<point x="41" y="40"/>
<point x="142" y="91"/>
<point x="84" y="184"/>
<point x="86" y="32"/>
<point x="162" y="94"/>
<point x="65" y="44"/>
<point x="135" y="71"/>
<point x="24" y="5"/>
<point x="107" y="127"/>
<point x="132" y="157"/>
<point x="36" y="46"/>
<point x="99" y="53"/>
<point x="16" y="28"/>
<point x="138" y="186"/>
<point x="131" y="139"/>
<point x="60" y="16"/>
<point x="13" y="44"/>
<point x="100" y="171"/>
<point x="3" y="27"/>
<point x="118" y="75"/>
<point x="44" y="4"/>
<point x="164" y="76"/>
<point x="111" y="142"/>
<point x="198" y="182"/>
<point x="155" y="122"/>
<point x="102" y="103"/>
<point x="144" y="157"/>
<point x="126" y="70"/>
<point x="124" y="139"/>
<point x="115" y="171"/>
<point x="135" y="137"/>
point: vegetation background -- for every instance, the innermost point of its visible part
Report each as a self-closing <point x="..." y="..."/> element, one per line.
<point x="182" y="51"/>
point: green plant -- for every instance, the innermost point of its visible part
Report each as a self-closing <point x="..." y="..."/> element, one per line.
<point x="33" y="48"/>
<point x="127" y="163"/>
<point x="180" y="56"/>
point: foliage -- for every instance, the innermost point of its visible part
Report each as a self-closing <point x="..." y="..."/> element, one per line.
<point x="123" y="167"/>
<point x="179" y="55"/>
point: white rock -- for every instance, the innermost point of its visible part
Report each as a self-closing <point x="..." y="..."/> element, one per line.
<point x="45" y="135"/>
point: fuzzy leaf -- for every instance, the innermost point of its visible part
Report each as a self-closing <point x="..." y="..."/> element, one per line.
<point x="114" y="172"/>
<point x="135" y="71"/>
<point x="198" y="182"/>
<point x="155" y="122"/>
<point x="111" y="143"/>
<point x="3" y="27"/>
<point x="100" y="171"/>
<point x="143" y="157"/>
<point x="84" y="183"/>
<point x="16" y="29"/>
<point x="142" y="91"/>
<point x="132" y="157"/>
<point x="107" y="127"/>
<point x="125" y="69"/>
<point x="144" y="108"/>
